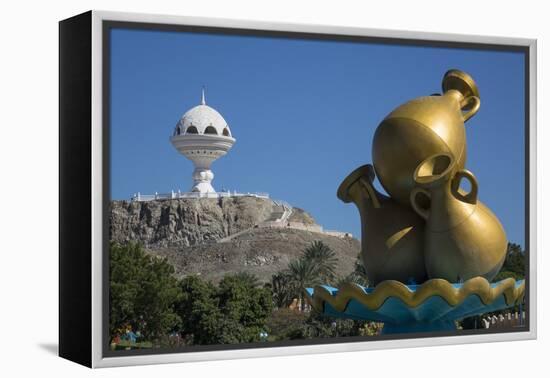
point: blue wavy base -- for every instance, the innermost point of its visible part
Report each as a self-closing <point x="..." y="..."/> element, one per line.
<point x="434" y="314"/>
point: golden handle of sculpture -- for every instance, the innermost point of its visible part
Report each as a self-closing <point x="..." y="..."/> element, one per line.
<point x="369" y="188"/>
<point x="470" y="197"/>
<point x="424" y="213"/>
<point x="472" y="103"/>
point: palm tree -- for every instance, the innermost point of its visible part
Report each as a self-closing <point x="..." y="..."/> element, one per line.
<point x="248" y="279"/>
<point x="360" y="273"/>
<point x="303" y="273"/>
<point x="283" y="289"/>
<point x="321" y="255"/>
<point x="353" y="277"/>
<point x="358" y="276"/>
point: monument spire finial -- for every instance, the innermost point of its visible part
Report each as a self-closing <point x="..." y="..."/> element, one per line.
<point x="203" y="98"/>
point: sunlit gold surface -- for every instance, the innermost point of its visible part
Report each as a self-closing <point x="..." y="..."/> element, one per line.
<point x="391" y="235"/>
<point x="419" y="153"/>
<point x="434" y="287"/>
<point x="420" y="128"/>
<point x="463" y="239"/>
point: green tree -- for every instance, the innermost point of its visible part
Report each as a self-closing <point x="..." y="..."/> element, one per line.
<point x="514" y="263"/>
<point x="248" y="278"/>
<point x="199" y="311"/>
<point x="303" y="273"/>
<point x="234" y="312"/>
<point x="283" y="289"/>
<point x="515" y="260"/>
<point x="360" y="272"/>
<point x="358" y="276"/>
<point x="244" y="307"/>
<point x="316" y="265"/>
<point x="285" y="322"/>
<point x="321" y="255"/>
<point x="143" y="292"/>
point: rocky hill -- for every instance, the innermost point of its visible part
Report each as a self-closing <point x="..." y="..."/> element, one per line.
<point x="212" y="237"/>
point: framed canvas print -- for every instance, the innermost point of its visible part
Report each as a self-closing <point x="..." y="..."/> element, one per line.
<point x="232" y="189"/>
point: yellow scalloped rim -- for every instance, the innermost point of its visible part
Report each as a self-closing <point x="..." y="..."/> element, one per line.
<point x="373" y="301"/>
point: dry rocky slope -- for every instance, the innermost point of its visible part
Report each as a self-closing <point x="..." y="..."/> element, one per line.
<point x="193" y="235"/>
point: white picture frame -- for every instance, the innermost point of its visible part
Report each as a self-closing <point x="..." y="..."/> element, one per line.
<point x="97" y="357"/>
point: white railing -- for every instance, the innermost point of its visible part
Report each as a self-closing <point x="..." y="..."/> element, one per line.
<point x="138" y="197"/>
<point x="287" y="210"/>
<point x="507" y="320"/>
<point x="287" y="213"/>
<point x="340" y="234"/>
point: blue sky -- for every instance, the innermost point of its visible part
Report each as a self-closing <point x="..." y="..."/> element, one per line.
<point x="304" y="113"/>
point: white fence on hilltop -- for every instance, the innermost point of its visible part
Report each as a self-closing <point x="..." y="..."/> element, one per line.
<point x="280" y="221"/>
<point x="138" y="197"/>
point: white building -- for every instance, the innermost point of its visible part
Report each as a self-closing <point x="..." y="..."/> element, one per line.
<point x="202" y="135"/>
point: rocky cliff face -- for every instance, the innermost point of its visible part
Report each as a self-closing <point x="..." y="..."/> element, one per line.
<point x="185" y="222"/>
<point x="213" y="237"/>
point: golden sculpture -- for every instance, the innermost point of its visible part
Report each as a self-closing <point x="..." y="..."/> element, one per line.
<point x="464" y="239"/>
<point x="423" y="127"/>
<point x="419" y="153"/>
<point x="392" y="235"/>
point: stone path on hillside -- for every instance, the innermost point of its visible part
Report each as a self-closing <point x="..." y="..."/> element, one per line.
<point x="282" y="211"/>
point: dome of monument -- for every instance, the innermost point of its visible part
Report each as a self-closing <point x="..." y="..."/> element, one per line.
<point x="202" y="119"/>
<point x="202" y="136"/>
